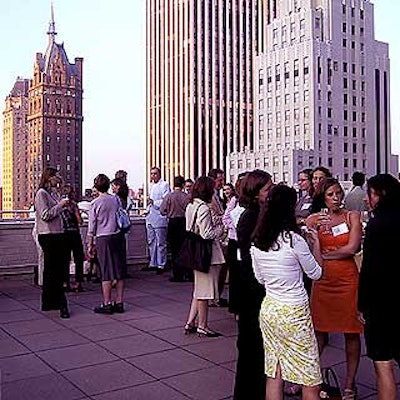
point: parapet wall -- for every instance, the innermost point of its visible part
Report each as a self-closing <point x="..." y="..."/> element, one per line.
<point x="18" y="254"/>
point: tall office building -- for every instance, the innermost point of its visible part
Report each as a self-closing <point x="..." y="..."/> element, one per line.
<point x="322" y="91"/>
<point x="43" y="125"/>
<point x="199" y="82"/>
<point x="15" y="148"/>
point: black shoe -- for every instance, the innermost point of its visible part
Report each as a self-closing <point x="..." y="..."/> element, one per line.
<point x="149" y="269"/>
<point x="118" y="308"/>
<point x="223" y="302"/>
<point x="104" y="309"/>
<point x="207" y="333"/>
<point x="159" y="271"/>
<point x="64" y="313"/>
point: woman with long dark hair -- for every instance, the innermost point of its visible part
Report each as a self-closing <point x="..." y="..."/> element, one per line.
<point x="280" y="256"/>
<point x="250" y="377"/>
<point x="48" y="208"/>
<point x="378" y="297"/>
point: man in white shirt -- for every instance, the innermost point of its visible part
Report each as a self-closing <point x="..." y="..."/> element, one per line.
<point x="156" y="224"/>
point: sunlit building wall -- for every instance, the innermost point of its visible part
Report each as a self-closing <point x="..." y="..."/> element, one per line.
<point x="199" y="82"/>
<point x="15" y="141"/>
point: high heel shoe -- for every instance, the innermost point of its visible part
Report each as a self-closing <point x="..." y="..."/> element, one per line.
<point x="189" y="328"/>
<point x="207" y="333"/>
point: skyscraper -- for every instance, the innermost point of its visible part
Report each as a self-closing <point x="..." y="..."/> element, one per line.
<point x="15" y="148"/>
<point x="199" y="82"/>
<point x="44" y="125"/>
<point x="322" y="92"/>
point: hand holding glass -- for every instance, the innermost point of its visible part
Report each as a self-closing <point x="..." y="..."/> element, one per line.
<point x="325" y="220"/>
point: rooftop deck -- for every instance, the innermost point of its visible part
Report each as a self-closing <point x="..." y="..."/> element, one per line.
<point x="141" y="354"/>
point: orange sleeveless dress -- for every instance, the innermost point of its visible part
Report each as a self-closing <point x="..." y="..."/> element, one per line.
<point x="334" y="296"/>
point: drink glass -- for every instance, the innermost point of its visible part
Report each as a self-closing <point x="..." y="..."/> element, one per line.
<point x="325" y="220"/>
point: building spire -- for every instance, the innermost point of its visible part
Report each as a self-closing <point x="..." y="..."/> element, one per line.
<point x="52" y="25"/>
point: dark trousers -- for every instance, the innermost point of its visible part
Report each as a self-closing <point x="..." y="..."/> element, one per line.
<point x="74" y="243"/>
<point x="175" y="238"/>
<point x="56" y="260"/>
<point x="233" y="266"/>
<point x="250" y="376"/>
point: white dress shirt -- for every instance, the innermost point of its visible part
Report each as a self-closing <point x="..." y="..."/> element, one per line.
<point x="281" y="270"/>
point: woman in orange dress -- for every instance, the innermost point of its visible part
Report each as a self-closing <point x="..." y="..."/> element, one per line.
<point x="334" y="296"/>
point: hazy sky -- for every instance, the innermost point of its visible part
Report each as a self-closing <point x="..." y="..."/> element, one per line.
<point x="110" y="36"/>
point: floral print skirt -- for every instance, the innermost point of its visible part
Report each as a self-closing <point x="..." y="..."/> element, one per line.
<point x="289" y="340"/>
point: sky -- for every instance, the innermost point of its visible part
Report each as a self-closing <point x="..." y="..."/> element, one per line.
<point x="110" y="36"/>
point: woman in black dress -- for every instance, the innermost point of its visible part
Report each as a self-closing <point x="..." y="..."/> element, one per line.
<point x="378" y="296"/>
<point x="250" y="377"/>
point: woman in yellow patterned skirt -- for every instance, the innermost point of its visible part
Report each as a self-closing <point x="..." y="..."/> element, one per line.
<point x="280" y="255"/>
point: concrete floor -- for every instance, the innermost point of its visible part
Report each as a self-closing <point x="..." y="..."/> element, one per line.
<point x="141" y="354"/>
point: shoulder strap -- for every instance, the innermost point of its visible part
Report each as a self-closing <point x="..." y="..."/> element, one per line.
<point x="347" y="218"/>
<point x="194" y="217"/>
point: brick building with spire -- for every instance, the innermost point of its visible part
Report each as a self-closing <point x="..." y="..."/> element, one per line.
<point x="52" y="121"/>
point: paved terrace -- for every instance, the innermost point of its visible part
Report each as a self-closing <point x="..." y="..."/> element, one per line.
<point x="142" y="354"/>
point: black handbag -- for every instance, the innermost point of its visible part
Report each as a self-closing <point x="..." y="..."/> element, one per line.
<point x="195" y="252"/>
<point x="330" y="388"/>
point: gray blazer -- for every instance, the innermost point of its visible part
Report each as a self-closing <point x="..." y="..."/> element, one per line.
<point x="47" y="213"/>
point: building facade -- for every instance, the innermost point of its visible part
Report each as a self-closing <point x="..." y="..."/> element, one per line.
<point x="322" y="93"/>
<point x="43" y="125"/>
<point x="15" y="148"/>
<point x="199" y="82"/>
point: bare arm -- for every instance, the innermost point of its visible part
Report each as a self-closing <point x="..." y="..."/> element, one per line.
<point x="354" y="243"/>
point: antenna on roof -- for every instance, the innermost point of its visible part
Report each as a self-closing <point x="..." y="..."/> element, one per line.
<point x="52" y="25"/>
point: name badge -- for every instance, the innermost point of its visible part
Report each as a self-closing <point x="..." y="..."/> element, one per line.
<point x="340" y="229"/>
<point x="306" y="206"/>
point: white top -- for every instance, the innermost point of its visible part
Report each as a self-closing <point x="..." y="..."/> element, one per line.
<point x="157" y="193"/>
<point x="281" y="271"/>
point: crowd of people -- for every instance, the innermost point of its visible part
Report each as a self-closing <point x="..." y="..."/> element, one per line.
<point x="287" y="254"/>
